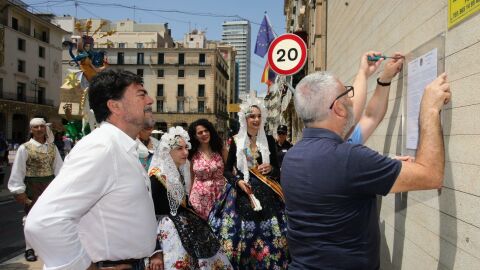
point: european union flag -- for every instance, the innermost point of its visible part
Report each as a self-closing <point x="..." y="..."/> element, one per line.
<point x="265" y="36"/>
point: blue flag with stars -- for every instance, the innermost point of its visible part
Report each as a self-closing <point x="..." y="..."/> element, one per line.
<point x="265" y="36"/>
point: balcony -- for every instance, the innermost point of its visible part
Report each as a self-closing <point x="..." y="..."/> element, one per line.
<point x="223" y="71"/>
<point x="41" y="36"/>
<point x="32" y="100"/>
<point x="23" y="29"/>
<point x="132" y="60"/>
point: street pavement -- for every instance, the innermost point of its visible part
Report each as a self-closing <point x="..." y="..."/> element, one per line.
<point x="19" y="263"/>
<point x="5" y="195"/>
<point x="12" y="243"/>
<point x="11" y="230"/>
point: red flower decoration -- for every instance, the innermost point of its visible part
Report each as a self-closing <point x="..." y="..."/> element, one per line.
<point x="179" y="265"/>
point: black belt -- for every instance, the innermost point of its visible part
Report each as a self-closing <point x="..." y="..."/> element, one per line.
<point x="132" y="262"/>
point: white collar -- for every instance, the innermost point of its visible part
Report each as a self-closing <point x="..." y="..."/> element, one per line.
<point x="129" y="144"/>
<point x="36" y="143"/>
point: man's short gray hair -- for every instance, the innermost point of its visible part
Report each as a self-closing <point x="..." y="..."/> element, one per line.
<point x="313" y="96"/>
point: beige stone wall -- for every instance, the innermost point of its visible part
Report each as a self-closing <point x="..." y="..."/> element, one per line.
<point x="229" y="53"/>
<point x="131" y="40"/>
<point x="172" y="119"/>
<point x="51" y="62"/>
<point x="423" y="229"/>
<point x="30" y="28"/>
<point x="215" y="83"/>
<point x="127" y="32"/>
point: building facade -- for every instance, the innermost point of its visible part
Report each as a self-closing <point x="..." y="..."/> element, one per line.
<point x="229" y="54"/>
<point x="124" y="34"/>
<point x="188" y="80"/>
<point x="237" y="34"/>
<point x="308" y="18"/>
<point x="305" y="19"/>
<point x="187" y="83"/>
<point x="30" y="69"/>
<point x="437" y="229"/>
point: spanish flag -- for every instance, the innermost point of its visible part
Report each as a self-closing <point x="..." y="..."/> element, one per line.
<point x="268" y="76"/>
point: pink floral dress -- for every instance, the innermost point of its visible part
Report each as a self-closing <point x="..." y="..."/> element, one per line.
<point x="208" y="182"/>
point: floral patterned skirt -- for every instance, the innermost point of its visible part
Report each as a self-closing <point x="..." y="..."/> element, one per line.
<point x="250" y="244"/>
<point x="176" y="257"/>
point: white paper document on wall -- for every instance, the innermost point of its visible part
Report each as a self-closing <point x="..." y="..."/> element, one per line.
<point x="421" y="72"/>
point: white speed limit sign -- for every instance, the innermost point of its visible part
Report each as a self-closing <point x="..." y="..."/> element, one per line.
<point x="287" y="54"/>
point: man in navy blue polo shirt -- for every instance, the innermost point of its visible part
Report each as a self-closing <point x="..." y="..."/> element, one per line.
<point x="330" y="186"/>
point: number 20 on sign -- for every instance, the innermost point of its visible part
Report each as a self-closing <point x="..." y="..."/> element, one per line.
<point x="287" y="54"/>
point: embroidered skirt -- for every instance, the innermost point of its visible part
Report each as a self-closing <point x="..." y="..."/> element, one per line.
<point x="251" y="240"/>
<point x="175" y="255"/>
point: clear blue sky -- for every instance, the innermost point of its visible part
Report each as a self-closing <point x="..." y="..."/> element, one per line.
<point x="215" y="11"/>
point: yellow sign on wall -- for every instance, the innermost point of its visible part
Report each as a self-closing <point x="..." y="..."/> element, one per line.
<point x="459" y="10"/>
<point x="233" y="108"/>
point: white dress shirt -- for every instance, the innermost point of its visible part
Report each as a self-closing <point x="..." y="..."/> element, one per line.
<point x="98" y="208"/>
<point x="16" y="183"/>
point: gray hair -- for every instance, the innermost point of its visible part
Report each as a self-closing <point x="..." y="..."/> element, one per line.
<point x="149" y="123"/>
<point x="313" y="96"/>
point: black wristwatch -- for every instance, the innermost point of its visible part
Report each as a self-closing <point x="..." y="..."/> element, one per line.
<point x="382" y="83"/>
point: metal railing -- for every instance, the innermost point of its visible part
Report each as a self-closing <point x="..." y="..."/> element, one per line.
<point x="33" y="100"/>
<point x="132" y="60"/>
<point x="23" y="29"/>
<point x="41" y="37"/>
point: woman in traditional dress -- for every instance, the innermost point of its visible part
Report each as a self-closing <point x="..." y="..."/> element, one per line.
<point x="185" y="241"/>
<point x="249" y="218"/>
<point x="207" y="159"/>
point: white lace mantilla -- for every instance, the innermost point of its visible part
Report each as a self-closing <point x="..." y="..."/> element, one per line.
<point x="162" y="160"/>
<point x="243" y="142"/>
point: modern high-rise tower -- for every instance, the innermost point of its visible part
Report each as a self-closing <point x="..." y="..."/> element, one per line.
<point x="237" y="34"/>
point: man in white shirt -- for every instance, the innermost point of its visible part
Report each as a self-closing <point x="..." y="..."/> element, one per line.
<point x="98" y="213"/>
<point x="36" y="164"/>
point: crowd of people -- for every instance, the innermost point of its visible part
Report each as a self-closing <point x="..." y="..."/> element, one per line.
<point x="125" y="200"/>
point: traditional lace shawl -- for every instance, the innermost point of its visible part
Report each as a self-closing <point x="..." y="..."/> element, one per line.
<point x="164" y="162"/>
<point x="243" y="142"/>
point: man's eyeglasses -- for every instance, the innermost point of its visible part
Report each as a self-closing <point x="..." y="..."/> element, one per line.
<point x="348" y="91"/>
